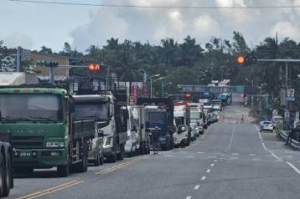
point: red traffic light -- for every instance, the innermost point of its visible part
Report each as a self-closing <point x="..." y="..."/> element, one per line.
<point x="241" y="60"/>
<point x="188" y="95"/>
<point x="94" y="67"/>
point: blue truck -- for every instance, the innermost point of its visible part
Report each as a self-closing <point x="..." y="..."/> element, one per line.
<point x="159" y="115"/>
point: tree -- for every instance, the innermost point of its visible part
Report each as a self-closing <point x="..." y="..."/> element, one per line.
<point x="46" y="50"/>
<point x="239" y="44"/>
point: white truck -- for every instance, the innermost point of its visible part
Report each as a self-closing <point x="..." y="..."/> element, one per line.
<point x="197" y="117"/>
<point x="139" y="116"/>
<point x="208" y="110"/>
<point x="183" y="135"/>
<point x="132" y="144"/>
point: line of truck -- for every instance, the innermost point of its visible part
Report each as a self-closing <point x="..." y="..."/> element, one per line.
<point x="67" y="127"/>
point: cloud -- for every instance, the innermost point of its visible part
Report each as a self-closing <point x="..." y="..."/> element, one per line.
<point x="18" y="39"/>
<point x="155" y="24"/>
<point x="286" y="29"/>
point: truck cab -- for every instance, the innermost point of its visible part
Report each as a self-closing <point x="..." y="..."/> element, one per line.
<point x="132" y="143"/>
<point x="93" y="107"/>
<point x="208" y="110"/>
<point x="184" y="134"/>
<point x="197" y="117"/>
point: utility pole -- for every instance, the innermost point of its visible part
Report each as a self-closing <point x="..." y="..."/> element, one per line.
<point x="19" y="59"/>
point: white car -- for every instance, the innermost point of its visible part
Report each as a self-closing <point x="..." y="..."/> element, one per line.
<point x="266" y="126"/>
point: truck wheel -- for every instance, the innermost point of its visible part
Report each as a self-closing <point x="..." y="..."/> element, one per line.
<point x="121" y="154"/>
<point x="102" y="160"/>
<point x="97" y="162"/>
<point x="82" y="166"/>
<point x="112" y="158"/>
<point x="7" y="177"/>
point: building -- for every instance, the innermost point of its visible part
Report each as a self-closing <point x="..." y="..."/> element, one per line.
<point x="43" y="72"/>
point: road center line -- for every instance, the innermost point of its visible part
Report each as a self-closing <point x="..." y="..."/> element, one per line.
<point x="212" y="164"/>
<point x="215" y="160"/>
<point x="208" y="171"/>
<point x="189" y="197"/>
<point x="52" y="190"/>
<point x="203" y="178"/>
<point x="197" y="187"/>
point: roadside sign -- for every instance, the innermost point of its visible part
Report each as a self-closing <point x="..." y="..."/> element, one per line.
<point x="132" y="100"/>
<point x="290" y="94"/>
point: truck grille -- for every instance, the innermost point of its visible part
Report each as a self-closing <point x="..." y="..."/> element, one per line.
<point x="28" y="141"/>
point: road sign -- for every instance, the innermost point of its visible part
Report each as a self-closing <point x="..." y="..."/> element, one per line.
<point x="290" y="94"/>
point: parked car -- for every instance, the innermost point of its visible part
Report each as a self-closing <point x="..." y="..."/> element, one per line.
<point x="266" y="126"/>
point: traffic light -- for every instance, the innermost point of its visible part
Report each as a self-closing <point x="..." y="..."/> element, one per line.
<point x="94" y="67"/>
<point x="47" y="63"/>
<point x="246" y="60"/>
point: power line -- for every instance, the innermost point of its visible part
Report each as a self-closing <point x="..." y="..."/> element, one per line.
<point x="161" y="7"/>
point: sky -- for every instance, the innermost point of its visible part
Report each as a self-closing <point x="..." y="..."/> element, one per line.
<point x="34" y="25"/>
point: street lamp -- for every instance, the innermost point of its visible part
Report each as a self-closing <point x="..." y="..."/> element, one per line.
<point x="163" y="86"/>
<point x="151" y="83"/>
<point x="252" y="82"/>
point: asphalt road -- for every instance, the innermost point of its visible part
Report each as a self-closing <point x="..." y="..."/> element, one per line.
<point x="231" y="160"/>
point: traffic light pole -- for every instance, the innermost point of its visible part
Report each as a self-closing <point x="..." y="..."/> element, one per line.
<point x="52" y="71"/>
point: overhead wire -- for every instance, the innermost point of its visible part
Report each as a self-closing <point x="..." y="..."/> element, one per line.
<point x="160" y="7"/>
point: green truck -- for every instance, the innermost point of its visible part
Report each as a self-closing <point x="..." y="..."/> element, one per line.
<point x="45" y="133"/>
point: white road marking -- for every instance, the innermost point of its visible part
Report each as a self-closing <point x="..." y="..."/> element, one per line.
<point x="235" y="154"/>
<point x="189" y="197"/>
<point x="279" y="159"/>
<point x="252" y="154"/>
<point x="211" y="156"/>
<point x="231" y="139"/>
<point x="200" y="152"/>
<point x="293" y="167"/>
<point x="203" y="178"/>
<point x="264" y="146"/>
<point x="212" y="164"/>
<point x="197" y="187"/>
<point x="208" y="171"/>
<point x="215" y="160"/>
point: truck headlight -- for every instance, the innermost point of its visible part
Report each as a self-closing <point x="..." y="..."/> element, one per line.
<point x="107" y="142"/>
<point x="55" y="144"/>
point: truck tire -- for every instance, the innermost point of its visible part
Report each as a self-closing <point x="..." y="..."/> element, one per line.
<point x="112" y="158"/>
<point x="82" y="166"/>
<point x="97" y="162"/>
<point x="7" y="176"/>
<point x="121" y="154"/>
<point x="102" y="160"/>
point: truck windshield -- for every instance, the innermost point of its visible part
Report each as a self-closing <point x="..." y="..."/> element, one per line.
<point x="179" y="121"/>
<point x="96" y="111"/>
<point x="155" y="117"/>
<point x="31" y="107"/>
<point x="195" y="115"/>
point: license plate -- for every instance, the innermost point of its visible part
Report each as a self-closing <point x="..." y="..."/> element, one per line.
<point x="25" y="154"/>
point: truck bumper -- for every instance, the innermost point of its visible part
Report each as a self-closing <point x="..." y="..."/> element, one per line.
<point x="39" y="158"/>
